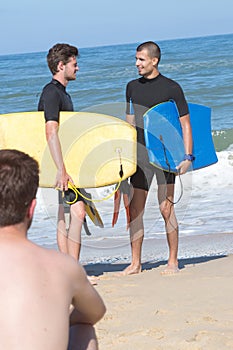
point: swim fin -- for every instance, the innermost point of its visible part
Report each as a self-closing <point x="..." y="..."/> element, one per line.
<point x="91" y="210"/>
<point x="123" y="190"/>
<point x="86" y="229"/>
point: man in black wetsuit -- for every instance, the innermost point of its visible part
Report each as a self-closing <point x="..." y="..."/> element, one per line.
<point x="62" y="62"/>
<point x="141" y="94"/>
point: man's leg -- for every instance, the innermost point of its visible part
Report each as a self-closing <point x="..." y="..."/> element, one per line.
<point x="137" y="206"/>
<point x="77" y="215"/>
<point x="61" y="230"/>
<point x="166" y="198"/>
<point x="82" y="337"/>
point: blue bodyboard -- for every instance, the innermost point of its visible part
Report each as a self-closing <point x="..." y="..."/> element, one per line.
<point x="163" y="136"/>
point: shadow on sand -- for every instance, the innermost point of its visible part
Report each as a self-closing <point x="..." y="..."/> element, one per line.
<point x="100" y="268"/>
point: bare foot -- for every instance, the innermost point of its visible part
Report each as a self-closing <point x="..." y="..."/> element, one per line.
<point x="93" y="280"/>
<point x="170" y="270"/>
<point x="130" y="270"/>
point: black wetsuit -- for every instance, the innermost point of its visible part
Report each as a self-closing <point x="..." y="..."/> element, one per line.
<point x="54" y="99"/>
<point x="141" y="95"/>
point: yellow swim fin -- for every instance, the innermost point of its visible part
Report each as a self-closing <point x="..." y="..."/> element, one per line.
<point x="93" y="214"/>
<point x="91" y="210"/>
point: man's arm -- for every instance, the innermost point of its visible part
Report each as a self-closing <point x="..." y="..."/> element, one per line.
<point x="130" y="118"/>
<point x="51" y="129"/>
<point x="88" y="305"/>
<point x="188" y="142"/>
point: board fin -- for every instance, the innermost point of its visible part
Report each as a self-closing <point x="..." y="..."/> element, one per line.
<point x="123" y="191"/>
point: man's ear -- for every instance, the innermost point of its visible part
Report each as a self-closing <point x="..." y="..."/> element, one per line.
<point x="60" y="66"/>
<point x="155" y="61"/>
<point x="31" y="209"/>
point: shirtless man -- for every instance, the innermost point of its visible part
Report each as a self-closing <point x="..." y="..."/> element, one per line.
<point x="38" y="285"/>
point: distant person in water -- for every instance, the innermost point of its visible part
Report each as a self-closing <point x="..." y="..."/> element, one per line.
<point x="142" y="94"/>
<point x="46" y="299"/>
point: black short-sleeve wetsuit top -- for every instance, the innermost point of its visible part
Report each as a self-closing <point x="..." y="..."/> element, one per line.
<point x="141" y="95"/>
<point x="144" y="93"/>
<point x="54" y="99"/>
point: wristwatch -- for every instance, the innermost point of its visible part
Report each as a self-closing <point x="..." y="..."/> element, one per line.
<point x="189" y="157"/>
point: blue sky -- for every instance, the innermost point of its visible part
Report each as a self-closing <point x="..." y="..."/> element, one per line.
<point x="35" y="25"/>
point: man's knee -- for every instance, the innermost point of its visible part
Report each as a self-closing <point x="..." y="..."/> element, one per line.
<point x="166" y="210"/>
<point x="136" y="213"/>
<point x="78" y="210"/>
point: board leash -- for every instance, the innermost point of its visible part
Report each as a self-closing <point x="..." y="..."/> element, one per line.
<point x="95" y="200"/>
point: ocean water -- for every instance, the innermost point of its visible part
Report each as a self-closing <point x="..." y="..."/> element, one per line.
<point x="203" y="67"/>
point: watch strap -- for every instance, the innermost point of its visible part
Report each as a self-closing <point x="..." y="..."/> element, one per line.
<point x="189" y="157"/>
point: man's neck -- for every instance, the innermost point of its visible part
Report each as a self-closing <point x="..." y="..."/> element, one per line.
<point x="61" y="79"/>
<point x="18" y="231"/>
<point x="152" y="75"/>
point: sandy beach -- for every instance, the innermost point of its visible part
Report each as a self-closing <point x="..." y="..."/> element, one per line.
<point x="192" y="310"/>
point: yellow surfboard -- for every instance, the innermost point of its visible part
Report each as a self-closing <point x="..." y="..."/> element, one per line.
<point x="95" y="146"/>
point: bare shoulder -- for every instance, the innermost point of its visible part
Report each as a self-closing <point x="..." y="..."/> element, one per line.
<point x="72" y="279"/>
<point x="64" y="263"/>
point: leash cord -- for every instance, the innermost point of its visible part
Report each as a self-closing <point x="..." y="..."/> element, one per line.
<point x="77" y="192"/>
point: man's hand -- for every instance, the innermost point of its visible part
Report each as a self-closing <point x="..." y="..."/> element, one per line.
<point x="62" y="180"/>
<point x="183" y="166"/>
